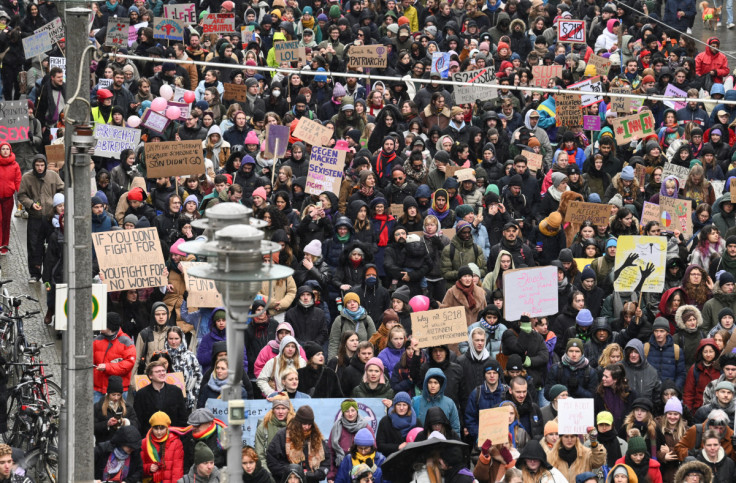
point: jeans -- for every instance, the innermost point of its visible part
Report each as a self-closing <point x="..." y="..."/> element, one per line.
<point x="729" y="9"/>
<point x="98" y="396"/>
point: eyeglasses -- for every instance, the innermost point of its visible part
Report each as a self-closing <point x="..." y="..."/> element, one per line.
<point x="398" y="179"/>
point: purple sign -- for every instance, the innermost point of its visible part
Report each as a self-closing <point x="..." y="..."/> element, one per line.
<point x="277" y="139"/>
<point x="591" y="123"/>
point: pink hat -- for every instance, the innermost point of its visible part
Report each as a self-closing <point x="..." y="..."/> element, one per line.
<point x="374" y="361"/>
<point x="174" y="250"/>
<point x="252" y="138"/>
<point x="260" y="191"/>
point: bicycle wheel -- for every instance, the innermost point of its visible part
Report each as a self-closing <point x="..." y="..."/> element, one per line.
<point x="19" y="345"/>
<point x="6" y="351"/>
<point x="11" y="409"/>
<point x="42" y="466"/>
<point x="51" y="393"/>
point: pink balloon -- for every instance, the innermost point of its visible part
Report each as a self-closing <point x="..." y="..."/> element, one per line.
<point x="166" y="92"/>
<point x="419" y="303"/>
<point x="134" y="121"/>
<point x="173" y="113"/>
<point x="189" y="97"/>
<point x="158" y="104"/>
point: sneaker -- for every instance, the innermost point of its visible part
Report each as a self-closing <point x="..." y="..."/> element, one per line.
<point x="689" y="30"/>
<point x="24" y="215"/>
<point x="19" y="212"/>
<point x="731" y="25"/>
<point x="719" y="24"/>
<point x="34" y="279"/>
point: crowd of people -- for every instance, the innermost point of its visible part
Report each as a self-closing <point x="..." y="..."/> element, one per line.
<point x="403" y="235"/>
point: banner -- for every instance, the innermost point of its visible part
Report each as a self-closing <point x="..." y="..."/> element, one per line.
<point x="184" y="12"/>
<point x="367" y="56"/>
<point x="37" y="44"/>
<point x="117" y="32"/>
<point x="55" y="29"/>
<point x="113" y="140"/>
<point x="168" y="29"/>
<point x="219" y="23"/>
<point x="533" y="289"/>
<point x="277" y="140"/>
<point x="99" y="306"/>
<point x="468" y="94"/>
<point x="592" y="85"/>
<point x="235" y="92"/>
<point x="571" y="31"/>
<point x="543" y="73"/>
<point x="579" y="212"/>
<point x="439" y="327"/>
<point x="174" y="158"/>
<point x="640" y="263"/>
<point x="130" y="259"/>
<point x="440" y="64"/>
<point x="202" y="292"/>
<point x="602" y="65"/>
<point x="575" y="415"/>
<point x="289" y="51"/>
<point x="568" y="112"/>
<point x="676" y="215"/>
<point x="633" y="127"/>
<point x="312" y="132"/>
<point x="326" y="168"/>
<point x="14" y="125"/>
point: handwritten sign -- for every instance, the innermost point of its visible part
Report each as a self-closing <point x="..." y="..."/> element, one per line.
<point x="679" y="172"/>
<point x="575" y="415"/>
<point x="594" y="86"/>
<point x="718" y="186"/>
<point x="649" y="255"/>
<point x="37" y="44"/>
<point x="367" y="56"/>
<point x="591" y="123"/>
<point x="493" y="425"/>
<point x="465" y="174"/>
<point x="732" y="190"/>
<point x="619" y="104"/>
<point x="55" y="156"/>
<point x="184" y="108"/>
<point x="113" y="140"/>
<point x="676" y="215"/>
<point x="277" y="139"/>
<point x="247" y="35"/>
<point x="481" y="80"/>
<point x="235" y="92"/>
<point x="534" y="161"/>
<point x="168" y="29"/>
<point x="633" y="127"/>
<point x="438" y="327"/>
<point x="650" y="212"/>
<point x="602" y="65"/>
<point x="174" y="158"/>
<point x="640" y="173"/>
<point x="396" y="210"/>
<point x="326" y="167"/>
<point x="154" y="121"/>
<point x="175" y="378"/>
<point x="55" y="29"/>
<point x="569" y="30"/>
<point x="130" y="259"/>
<point x="184" y="12"/>
<point x="568" y="112"/>
<point x="289" y="51"/>
<point x="14" y="124"/>
<point x="202" y="292"/>
<point x="312" y="132"/>
<point x="533" y="289"/>
<point x="440" y="64"/>
<point x="133" y="32"/>
<point x="672" y="91"/>
<point x="117" y="32"/>
<point x="579" y="212"/>
<point x="59" y="62"/>
<point x="543" y="73"/>
<point x="219" y="23"/>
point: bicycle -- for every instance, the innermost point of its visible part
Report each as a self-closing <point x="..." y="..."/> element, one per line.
<point x="36" y="431"/>
<point x="12" y="338"/>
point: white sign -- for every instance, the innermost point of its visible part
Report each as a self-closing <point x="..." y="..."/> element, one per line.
<point x="575" y="416"/>
<point x="59" y="62"/>
<point x="571" y="31"/>
<point x="468" y="94"/>
<point x="99" y="306"/>
<point x="533" y="290"/>
<point x="593" y="85"/>
<point x="113" y="140"/>
<point x="55" y="29"/>
<point x="37" y="44"/>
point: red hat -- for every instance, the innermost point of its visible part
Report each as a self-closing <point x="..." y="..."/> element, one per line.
<point x="228" y="5"/>
<point x="403" y="20"/>
<point x="648" y="79"/>
<point x="644" y="53"/>
<point x="136" y="194"/>
<point x="503" y="45"/>
<point x="229" y="178"/>
<point x="103" y="94"/>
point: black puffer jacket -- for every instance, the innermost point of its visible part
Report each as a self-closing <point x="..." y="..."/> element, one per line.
<point x="516" y="341"/>
<point x="309" y="323"/>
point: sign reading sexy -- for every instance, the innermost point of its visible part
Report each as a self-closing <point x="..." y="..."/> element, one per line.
<point x="14" y="125"/>
<point x="639" y="264"/>
<point x="326" y="167"/>
<point x="130" y="259"/>
<point x="534" y="290"/>
<point x="633" y="127"/>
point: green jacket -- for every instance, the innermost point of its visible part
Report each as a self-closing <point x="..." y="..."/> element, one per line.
<point x="464" y="253"/>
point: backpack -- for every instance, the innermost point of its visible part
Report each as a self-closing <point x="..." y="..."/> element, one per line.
<point x="677" y="351"/>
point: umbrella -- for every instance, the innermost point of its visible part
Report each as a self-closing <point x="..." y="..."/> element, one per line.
<point x="399" y="467"/>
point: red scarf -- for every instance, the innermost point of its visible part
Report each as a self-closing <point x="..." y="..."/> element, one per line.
<point x="383" y="232"/>
<point x="468" y="291"/>
<point x="384" y="159"/>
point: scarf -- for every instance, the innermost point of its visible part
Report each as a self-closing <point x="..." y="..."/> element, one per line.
<point x="383" y="231"/>
<point x="215" y="426"/>
<point x="366" y="191"/>
<point x="568" y="455"/>
<point x="478" y="356"/>
<point x="216" y="384"/>
<point x="728" y="262"/>
<point x="355" y="315"/>
<point x="512" y="430"/>
<point x="117" y="466"/>
<point x="468" y="291"/>
<point x="369" y="460"/>
<point x="489" y="328"/>
<point x="156" y="454"/>
<point x="296" y="455"/>
<point x="554" y="193"/>
<point x="110" y="7"/>
<point x="382" y="160"/>
<point x="336" y="433"/>
<point x="575" y="366"/>
<point x="403" y="423"/>
<point x="641" y="469"/>
<point x="609" y="439"/>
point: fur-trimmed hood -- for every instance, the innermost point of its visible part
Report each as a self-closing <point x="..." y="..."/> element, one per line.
<point x="565" y="200"/>
<point x="690" y="466"/>
<point x="678" y="316"/>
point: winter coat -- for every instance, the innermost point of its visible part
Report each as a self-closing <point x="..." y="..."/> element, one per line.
<point x="10" y="175"/>
<point x="425" y="401"/>
<point x="493" y="339"/>
<point x="382" y="391"/>
<point x="589" y="459"/>
<point x="186" y="362"/>
<point x="39" y="190"/>
<point x="463" y="253"/>
<point x="713" y="307"/>
<point x="581" y="383"/>
<point x="308" y="323"/>
<point x="364" y="327"/>
<point x="689" y="342"/>
<point x="456" y="298"/>
<point x="319" y="383"/>
<point x="516" y="341"/>
<point x="343" y="471"/>
<point x="643" y="378"/>
<point x="412" y="258"/>
<point x="278" y="460"/>
<point x="204" y="350"/>
<point x="481" y="398"/>
<point x="653" y="475"/>
<point x="117" y="353"/>
<point x="707" y="61"/>
<point x="169" y="400"/>
<point x="454" y="384"/>
<point x="473" y="371"/>
<point x="192" y="477"/>
<point x="388" y="438"/>
<point x="103" y="432"/>
<point x="723" y="469"/>
<point x="662" y="358"/>
<point x="102" y="453"/>
<point x="172" y="465"/>
<point x="698" y="378"/>
<point x="593" y="347"/>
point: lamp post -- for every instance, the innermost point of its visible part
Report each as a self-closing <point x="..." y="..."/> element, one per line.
<point x="234" y="249"/>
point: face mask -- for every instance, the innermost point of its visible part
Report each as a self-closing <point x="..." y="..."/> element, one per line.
<point x="371" y="281"/>
<point x="276" y="93"/>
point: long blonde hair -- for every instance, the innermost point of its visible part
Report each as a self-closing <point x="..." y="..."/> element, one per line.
<point x="651" y="425"/>
<point x="267" y="417"/>
<point x="605" y="358"/>
<point x="106" y="405"/>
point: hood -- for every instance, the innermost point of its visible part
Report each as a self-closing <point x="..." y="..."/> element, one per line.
<point x="678" y="316"/>
<point x="702" y="345"/>
<point x="278" y="36"/>
<point x="516" y="21"/>
<point x="638" y="347"/>
<point x="663" y="187"/>
<point x="730" y="95"/>
<point x="285" y="325"/>
<point x="353" y="209"/>
<point x="600" y="323"/>
<point x="127" y="436"/>
<point x="153" y="311"/>
<point x="217" y="347"/>
<point x="423" y="191"/>
<point x="287" y="340"/>
<point x="436" y="415"/>
<point x="689" y="269"/>
<point x="527" y="116"/>
<point x="665" y="298"/>
<point x="632" y="476"/>
<point x="693" y="465"/>
<point x="533" y="451"/>
<point x="295" y="470"/>
<point x="437" y="373"/>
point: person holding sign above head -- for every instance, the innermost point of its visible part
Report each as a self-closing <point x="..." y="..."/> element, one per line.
<point x="571" y="458"/>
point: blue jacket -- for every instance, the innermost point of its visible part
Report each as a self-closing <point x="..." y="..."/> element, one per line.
<point x="730" y="109"/>
<point x="204" y="350"/>
<point x="343" y="472"/>
<point x="486" y="400"/>
<point x="663" y="360"/>
<point x="671" y="8"/>
<point x="584" y="385"/>
<point x="425" y="401"/>
<point x="390" y="357"/>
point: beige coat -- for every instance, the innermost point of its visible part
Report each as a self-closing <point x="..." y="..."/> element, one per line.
<point x="588" y="459"/>
<point x="284" y="293"/>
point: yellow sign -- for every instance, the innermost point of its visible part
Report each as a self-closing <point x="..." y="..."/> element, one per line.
<point x="640" y="263"/>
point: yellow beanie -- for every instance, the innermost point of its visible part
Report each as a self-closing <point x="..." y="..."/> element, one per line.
<point x="590" y="71"/>
<point x="160" y="418"/>
<point x="351" y="296"/>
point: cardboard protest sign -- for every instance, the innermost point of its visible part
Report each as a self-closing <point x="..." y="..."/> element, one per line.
<point x="14" y="125"/>
<point x="465" y="174"/>
<point x="174" y="158"/>
<point x="619" y="104"/>
<point x="99" y="306"/>
<point x="672" y="91"/>
<point x="543" y="73"/>
<point x="640" y="262"/>
<point x="154" y="121"/>
<point x="55" y="156"/>
<point x="367" y="56"/>
<point x="326" y="168"/>
<point x="312" y="132"/>
<point x="650" y="212"/>
<point x="579" y="212"/>
<point x="493" y="425"/>
<point x="676" y="215"/>
<point x="640" y="173"/>
<point x="117" y="32"/>
<point x="569" y="30"/>
<point x="602" y="65"/>
<point x="133" y="32"/>
<point x="168" y="29"/>
<point x="235" y="92"/>
<point x="219" y="23"/>
<point x="37" y="44"/>
<point x="440" y="63"/>
<point x="289" y="51"/>
<point x="55" y="29"/>
<point x="184" y="12"/>
<point x="533" y="289"/>
<point x="633" y="127"/>
<point x="575" y="416"/>
<point x="568" y="111"/>
<point x="679" y="172"/>
<point x="439" y="327"/>
<point x="396" y="210"/>
<point x="201" y="292"/>
<point x="176" y="378"/>
<point x="277" y="140"/>
<point x="481" y="79"/>
<point x="592" y="85"/>
<point x="591" y="123"/>
<point x="130" y="259"/>
<point x="113" y="140"/>
<point x="534" y="161"/>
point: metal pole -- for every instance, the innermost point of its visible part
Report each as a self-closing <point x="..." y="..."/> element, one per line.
<point x="235" y="333"/>
<point x="76" y="455"/>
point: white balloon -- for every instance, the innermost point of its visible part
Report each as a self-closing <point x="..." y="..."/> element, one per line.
<point x="166" y="92"/>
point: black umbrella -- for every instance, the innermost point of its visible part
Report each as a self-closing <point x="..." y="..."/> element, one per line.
<point x="399" y="467"/>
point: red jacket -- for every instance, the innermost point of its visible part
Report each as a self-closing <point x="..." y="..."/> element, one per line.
<point x="707" y="61"/>
<point x="693" y="393"/>
<point x="118" y="355"/>
<point x="654" y="474"/>
<point x="172" y="467"/>
<point x="9" y="175"/>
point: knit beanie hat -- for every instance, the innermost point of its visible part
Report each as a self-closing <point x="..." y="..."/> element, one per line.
<point x="574" y="343"/>
<point x="159" y="418"/>
<point x="673" y="405"/>
<point x="203" y="453"/>
<point x="374" y="361"/>
<point x="551" y="427"/>
<point x="588" y="273"/>
<point x="349" y="403"/>
<point x="311" y="349"/>
<point x="115" y="385"/>
<point x="724" y="385"/>
<point x="556" y="390"/>
<point x="338" y="91"/>
<point x="554" y="220"/>
<point x="260" y="191"/>
<point x="637" y="445"/>
<point x="463" y="210"/>
<point x="280" y="400"/>
<point x="364" y="437"/>
<point x="304" y="415"/>
<point x="359" y="471"/>
<point x="351" y="296"/>
<point x="219" y="314"/>
<point x="558" y="178"/>
<point x="584" y="318"/>
<point x="404" y="397"/>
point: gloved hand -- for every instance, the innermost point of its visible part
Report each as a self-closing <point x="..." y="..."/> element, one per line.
<point x="525" y="324"/>
<point x="572" y="384"/>
<point x="527" y="362"/>
<point x="486" y="447"/>
<point x="506" y="455"/>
